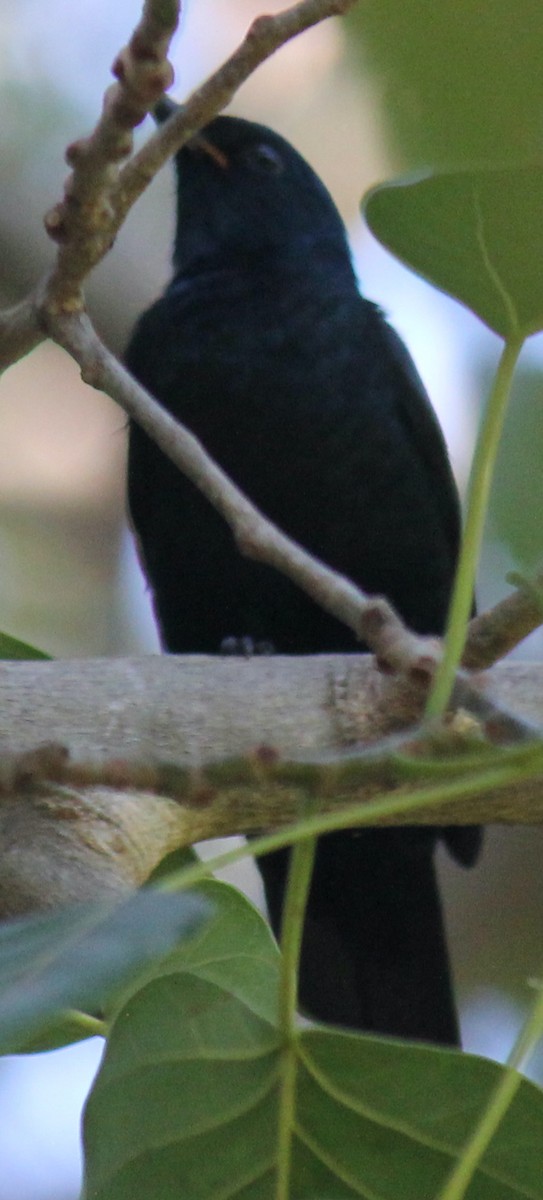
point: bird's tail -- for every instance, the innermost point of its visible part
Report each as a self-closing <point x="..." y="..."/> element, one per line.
<point x="374" y="955"/>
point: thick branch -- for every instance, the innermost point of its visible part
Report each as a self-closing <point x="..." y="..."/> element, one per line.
<point x="199" y="709"/>
<point x="71" y="842"/>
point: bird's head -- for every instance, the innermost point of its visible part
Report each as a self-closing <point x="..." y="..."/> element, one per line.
<point x="244" y="194"/>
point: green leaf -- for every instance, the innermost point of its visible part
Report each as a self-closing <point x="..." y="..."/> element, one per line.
<point x="477" y="235"/>
<point x="173" y="862"/>
<point x="391" y="1118"/>
<point x="60" y="1031"/>
<point x="202" y="1037"/>
<point x="459" y="81"/>
<point x="80" y="958"/>
<point x="188" y="1098"/>
<point x="235" y="949"/>
<point x="11" y="647"/>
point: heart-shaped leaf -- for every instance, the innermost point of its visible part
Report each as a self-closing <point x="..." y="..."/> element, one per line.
<point x="476" y="234"/>
<point x="194" y="1088"/>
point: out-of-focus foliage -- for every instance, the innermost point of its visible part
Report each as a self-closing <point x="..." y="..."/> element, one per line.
<point x="82" y="957"/>
<point x="461" y="80"/>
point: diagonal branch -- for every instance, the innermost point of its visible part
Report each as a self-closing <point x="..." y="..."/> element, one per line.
<point x="372" y="619"/>
<point x="85" y="222"/>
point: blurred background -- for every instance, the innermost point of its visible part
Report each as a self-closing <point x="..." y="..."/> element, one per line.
<point x="361" y="102"/>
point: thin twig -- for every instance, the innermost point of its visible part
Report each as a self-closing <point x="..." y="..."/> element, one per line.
<point x="496" y="632"/>
<point x="266" y="35"/>
<point x="85" y="222"/>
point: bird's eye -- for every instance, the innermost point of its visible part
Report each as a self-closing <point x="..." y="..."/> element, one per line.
<point x="264" y="158"/>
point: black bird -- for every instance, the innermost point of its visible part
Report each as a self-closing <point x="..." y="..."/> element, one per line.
<point x="263" y="346"/>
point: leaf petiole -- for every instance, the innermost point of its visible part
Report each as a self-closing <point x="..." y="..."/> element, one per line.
<point x="502" y="1097"/>
<point x="478" y="495"/>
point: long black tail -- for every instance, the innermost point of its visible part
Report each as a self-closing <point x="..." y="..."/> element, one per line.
<point x="374" y="955"/>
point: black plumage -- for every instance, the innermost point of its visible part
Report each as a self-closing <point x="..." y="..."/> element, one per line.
<point x="263" y="346"/>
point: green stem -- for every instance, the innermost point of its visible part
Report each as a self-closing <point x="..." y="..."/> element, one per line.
<point x="502" y="1097"/>
<point x="90" y="1025"/>
<point x="478" y="494"/>
<point x="361" y="813"/>
<point x="299" y="881"/>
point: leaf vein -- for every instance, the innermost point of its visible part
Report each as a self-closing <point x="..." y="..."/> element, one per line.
<point x="491" y="269"/>
<point x="410" y="1133"/>
<point x="333" y="1167"/>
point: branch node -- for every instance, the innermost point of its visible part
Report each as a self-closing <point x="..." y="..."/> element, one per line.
<point x="424" y="669"/>
<point x="54" y="224"/>
<point x="260" y="28"/>
<point x="45" y="764"/>
<point x="143" y="74"/>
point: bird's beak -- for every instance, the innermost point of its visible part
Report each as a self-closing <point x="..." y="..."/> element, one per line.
<point x="199" y="143"/>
